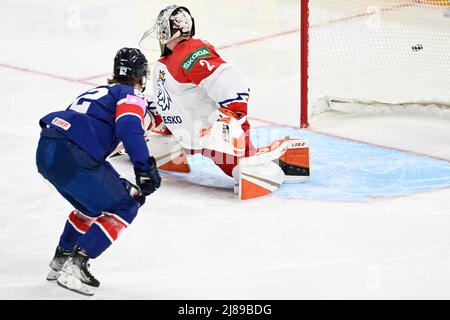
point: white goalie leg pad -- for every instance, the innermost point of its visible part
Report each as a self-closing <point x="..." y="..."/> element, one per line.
<point x="225" y="135"/>
<point x="258" y="180"/>
<point x="168" y="153"/>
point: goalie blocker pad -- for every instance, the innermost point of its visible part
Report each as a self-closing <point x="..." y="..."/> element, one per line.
<point x="284" y="160"/>
<point x="225" y="135"/>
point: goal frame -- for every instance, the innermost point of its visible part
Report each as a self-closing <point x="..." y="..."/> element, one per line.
<point x="304" y="62"/>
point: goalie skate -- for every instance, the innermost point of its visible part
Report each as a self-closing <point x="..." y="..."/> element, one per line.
<point x="295" y="161"/>
<point x="284" y="160"/>
<point x="75" y="275"/>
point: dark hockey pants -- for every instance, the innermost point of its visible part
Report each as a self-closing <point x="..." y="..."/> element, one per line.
<point x="94" y="188"/>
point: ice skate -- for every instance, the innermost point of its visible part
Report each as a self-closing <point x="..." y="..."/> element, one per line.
<point x="75" y="274"/>
<point x="57" y="262"/>
<point x="285" y="160"/>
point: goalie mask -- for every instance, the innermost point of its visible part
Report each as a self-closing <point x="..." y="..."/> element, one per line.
<point x="172" y="22"/>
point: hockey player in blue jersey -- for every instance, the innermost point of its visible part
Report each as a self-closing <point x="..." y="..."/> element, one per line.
<point x="71" y="155"/>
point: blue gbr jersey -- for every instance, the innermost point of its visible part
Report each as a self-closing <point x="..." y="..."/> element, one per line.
<point x="102" y="117"/>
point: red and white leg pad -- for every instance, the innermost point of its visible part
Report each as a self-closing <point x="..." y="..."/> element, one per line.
<point x="284" y="160"/>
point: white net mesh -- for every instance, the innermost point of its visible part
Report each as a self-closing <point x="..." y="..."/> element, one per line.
<point x="389" y="52"/>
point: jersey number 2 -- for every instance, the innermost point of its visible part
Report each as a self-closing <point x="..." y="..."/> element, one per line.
<point x="83" y="102"/>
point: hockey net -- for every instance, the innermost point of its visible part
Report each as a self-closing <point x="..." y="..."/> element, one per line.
<point x="375" y="56"/>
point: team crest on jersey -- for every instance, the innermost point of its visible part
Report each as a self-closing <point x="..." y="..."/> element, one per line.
<point x="162" y="94"/>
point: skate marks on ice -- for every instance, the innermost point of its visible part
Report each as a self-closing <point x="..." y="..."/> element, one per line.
<point x="341" y="170"/>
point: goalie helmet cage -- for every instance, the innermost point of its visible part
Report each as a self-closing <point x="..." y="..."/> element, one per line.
<point x="374" y="53"/>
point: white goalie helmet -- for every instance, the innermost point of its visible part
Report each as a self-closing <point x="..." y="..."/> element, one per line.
<point x="172" y="22"/>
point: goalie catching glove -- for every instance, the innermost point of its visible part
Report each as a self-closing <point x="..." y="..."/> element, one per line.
<point x="148" y="181"/>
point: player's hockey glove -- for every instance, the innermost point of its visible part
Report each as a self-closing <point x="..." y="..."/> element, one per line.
<point x="149" y="180"/>
<point x="134" y="191"/>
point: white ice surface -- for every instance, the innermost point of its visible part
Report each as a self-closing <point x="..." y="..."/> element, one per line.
<point x="196" y="242"/>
